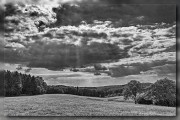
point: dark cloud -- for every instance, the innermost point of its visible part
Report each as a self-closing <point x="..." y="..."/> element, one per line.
<point x="139" y="1"/>
<point x="91" y="42"/>
<point x="54" y="56"/>
<point x="126" y="13"/>
<point x="162" y="67"/>
<point x="165" y="69"/>
<point x="95" y="1"/>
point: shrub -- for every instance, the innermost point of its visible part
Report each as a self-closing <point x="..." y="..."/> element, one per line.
<point x="171" y="103"/>
<point x="142" y="100"/>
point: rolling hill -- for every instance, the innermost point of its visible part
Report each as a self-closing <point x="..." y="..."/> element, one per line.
<point x="71" y="105"/>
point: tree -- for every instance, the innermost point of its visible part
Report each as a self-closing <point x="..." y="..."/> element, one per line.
<point x="17" y="83"/>
<point x="77" y="90"/>
<point x="131" y="90"/>
<point x="163" y="92"/>
<point x="2" y="84"/>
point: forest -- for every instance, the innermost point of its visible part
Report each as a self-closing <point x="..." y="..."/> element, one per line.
<point x="16" y="84"/>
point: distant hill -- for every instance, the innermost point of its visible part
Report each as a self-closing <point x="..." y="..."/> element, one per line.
<point x="103" y="91"/>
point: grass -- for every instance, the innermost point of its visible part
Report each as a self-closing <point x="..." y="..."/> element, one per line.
<point x="71" y="105"/>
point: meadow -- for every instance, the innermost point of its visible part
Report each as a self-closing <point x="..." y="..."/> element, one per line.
<point x="71" y="105"/>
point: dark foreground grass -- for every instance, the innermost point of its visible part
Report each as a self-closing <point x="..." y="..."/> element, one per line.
<point x="71" y="105"/>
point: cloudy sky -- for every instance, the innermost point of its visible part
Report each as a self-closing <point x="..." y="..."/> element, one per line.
<point x="52" y="35"/>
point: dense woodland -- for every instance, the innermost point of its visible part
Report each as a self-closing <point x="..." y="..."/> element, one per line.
<point x="162" y="92"/>
<point x="16" y="84"/>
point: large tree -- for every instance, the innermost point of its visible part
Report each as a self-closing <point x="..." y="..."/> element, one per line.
<point x="131" y="90"/>
<point x="162" y="92"/>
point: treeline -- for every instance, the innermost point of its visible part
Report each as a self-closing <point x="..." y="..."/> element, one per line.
<point x="105" y="91"/>
<point x="84" y="91"/>
<point x="16" y="84"/>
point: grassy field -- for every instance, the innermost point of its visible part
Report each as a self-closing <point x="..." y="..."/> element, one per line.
<point x="71" y="105"/>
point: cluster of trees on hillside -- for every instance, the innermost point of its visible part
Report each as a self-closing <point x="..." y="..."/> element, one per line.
<point x="16" y="84"/>
<point x="162" y="92"/>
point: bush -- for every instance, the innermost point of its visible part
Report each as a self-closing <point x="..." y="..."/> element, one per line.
<point x="171" y="103"/>
<point x="142" y="100"/>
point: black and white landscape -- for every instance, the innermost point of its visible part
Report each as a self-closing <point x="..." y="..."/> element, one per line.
<point x="88" y="58"/>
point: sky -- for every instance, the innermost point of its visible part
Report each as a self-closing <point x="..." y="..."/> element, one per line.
<point x="81" y="34"/>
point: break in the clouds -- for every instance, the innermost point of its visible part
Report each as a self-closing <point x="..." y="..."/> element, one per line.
<point x="74" y="35"/>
